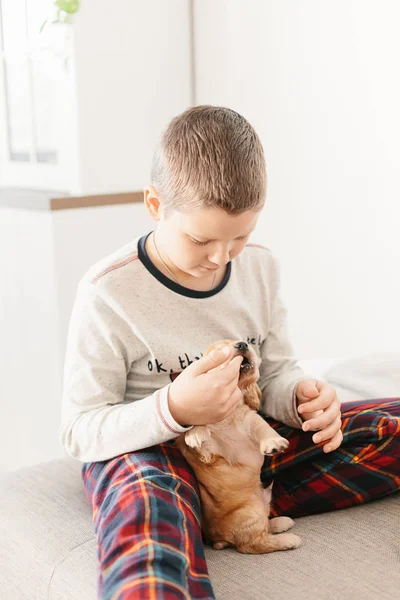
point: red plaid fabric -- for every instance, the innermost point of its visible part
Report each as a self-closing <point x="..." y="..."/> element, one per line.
<point x="366" y="466"/>
<point x="146" y="509"/>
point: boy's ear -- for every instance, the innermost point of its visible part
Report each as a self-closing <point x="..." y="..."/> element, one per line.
<point x="152" y="202"/>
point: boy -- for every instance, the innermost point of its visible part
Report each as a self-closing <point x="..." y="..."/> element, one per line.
<point x="143" y="316"/>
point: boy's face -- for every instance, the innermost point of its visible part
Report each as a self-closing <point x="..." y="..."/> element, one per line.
<point x="203" y="240"/>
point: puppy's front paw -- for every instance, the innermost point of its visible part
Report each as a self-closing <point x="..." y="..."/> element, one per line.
<point x="197" y="436"/>
<point x="274" y="444"/>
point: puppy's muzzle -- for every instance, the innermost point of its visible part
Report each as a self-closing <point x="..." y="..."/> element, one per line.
<point x="243" y="349"/>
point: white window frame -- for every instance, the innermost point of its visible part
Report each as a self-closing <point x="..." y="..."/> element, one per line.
<point x="63" y="175"/>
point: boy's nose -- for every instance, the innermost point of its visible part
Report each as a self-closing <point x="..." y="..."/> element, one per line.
<point x="242" y="346"/>
<point x="220" y="257"/>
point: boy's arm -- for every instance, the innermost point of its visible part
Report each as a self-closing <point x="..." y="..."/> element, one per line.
<point x="279" y="371"/>
<point x="96" y="424"/>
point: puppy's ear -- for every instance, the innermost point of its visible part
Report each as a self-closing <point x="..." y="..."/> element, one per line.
<point x="252" y="396"/>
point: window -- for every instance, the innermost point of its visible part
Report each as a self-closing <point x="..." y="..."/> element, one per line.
<point x="37" y="100"/>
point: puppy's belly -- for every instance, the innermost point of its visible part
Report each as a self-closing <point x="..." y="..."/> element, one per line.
<point x="231" y="498"/>
<point x="236" y="447"/>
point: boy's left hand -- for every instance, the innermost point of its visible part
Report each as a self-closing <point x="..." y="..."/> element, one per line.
<point x="319" y="406"/>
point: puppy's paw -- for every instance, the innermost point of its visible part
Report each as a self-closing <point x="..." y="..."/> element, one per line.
<point x="197" y="436"/>
<point x="220" y="545"/>
<point x="280" y="524"/>
<point x="206" y="457"/>
<point x="274" y="444"/>
<point x="288" y="541"/>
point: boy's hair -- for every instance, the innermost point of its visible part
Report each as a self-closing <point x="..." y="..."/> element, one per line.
<point x="210" y="156"/>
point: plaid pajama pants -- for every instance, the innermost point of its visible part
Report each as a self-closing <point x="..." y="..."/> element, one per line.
<point x="146" y="509"/>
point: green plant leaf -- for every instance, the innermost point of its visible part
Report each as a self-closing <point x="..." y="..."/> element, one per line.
<point x="68" y="6"/>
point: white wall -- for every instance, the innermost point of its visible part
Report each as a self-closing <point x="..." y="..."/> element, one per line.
<point x="43" y="255"/>
<point x="30" y="361"/>
<point x="319" y="82"/>
<point x="133" y="64"/>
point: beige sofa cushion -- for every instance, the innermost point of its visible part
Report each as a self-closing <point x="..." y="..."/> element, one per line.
<point x="374" y="375"/>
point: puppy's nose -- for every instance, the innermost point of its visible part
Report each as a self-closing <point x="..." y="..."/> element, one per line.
<point x="242" y="346"/>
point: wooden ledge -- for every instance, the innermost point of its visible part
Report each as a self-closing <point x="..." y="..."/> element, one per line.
<point x="55" y="200"/>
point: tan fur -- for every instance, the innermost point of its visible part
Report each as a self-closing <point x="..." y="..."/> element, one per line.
<point x="227" y="458"/>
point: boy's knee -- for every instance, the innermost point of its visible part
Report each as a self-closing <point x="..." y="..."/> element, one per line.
<point x="158" y="470"/>
<point x="162" y="466"/>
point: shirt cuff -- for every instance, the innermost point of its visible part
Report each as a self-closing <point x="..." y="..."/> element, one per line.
<point x="164" y="413"/>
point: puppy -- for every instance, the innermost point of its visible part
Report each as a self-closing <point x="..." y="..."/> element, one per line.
<point x="226" y="458"/>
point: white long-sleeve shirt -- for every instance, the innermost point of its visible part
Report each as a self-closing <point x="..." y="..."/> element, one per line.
<point x="133" y="330"/>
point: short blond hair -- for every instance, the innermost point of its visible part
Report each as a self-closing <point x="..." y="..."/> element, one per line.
<point x="210" y="156"/>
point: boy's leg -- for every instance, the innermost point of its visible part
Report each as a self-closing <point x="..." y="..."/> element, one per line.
<point x="366" y="466"/>
<point x="146" y="514"/>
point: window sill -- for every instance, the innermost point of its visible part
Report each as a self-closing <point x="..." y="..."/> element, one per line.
<point x="22" y="198"/>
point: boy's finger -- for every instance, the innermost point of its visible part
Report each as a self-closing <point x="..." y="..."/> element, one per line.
<point x="231" y="371"/>
<point x="323" y="401"/>
<point x="307" y="390"/>
<point x="211" y="361"/>
<point x="334" y="442"/>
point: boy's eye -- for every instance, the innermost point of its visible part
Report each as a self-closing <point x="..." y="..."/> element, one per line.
<point x="199" y="243"/>
<point x="239" y="239"/>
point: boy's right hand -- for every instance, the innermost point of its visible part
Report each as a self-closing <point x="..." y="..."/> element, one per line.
<point x="200" y="397"/>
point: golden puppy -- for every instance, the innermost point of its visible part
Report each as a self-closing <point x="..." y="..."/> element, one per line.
<point x="227" y="458"/>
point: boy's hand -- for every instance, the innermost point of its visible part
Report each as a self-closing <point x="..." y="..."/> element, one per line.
<point x="319" y="406"/>
<point x="198" y="397"/>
